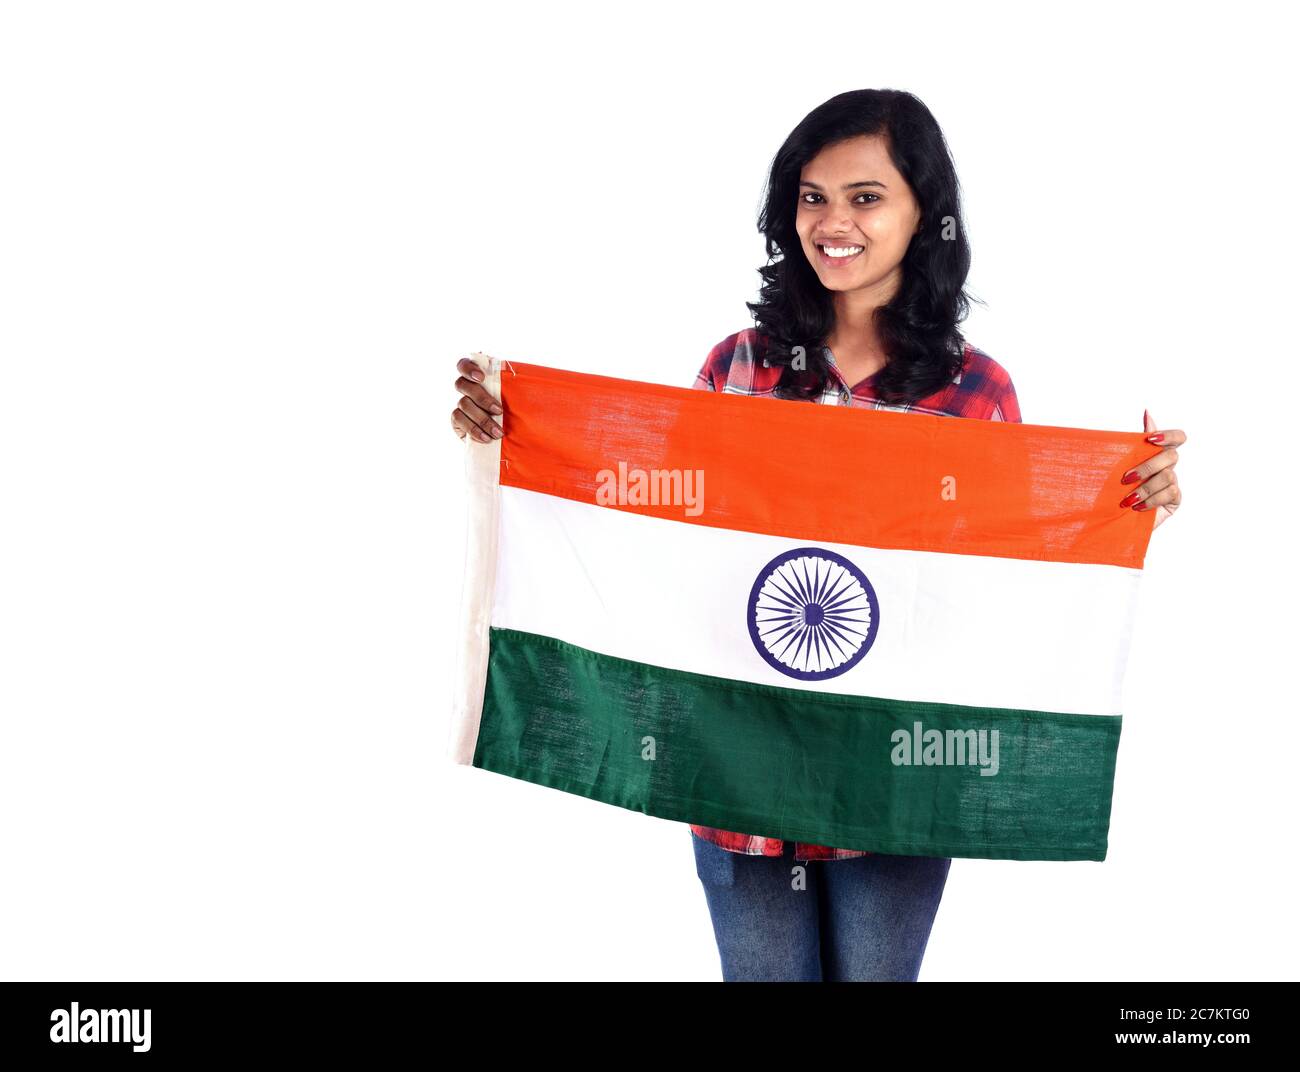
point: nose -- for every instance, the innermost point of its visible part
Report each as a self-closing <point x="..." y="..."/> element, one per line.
<point x="835" y="225"/>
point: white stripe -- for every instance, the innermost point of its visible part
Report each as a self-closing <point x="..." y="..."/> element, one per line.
<point x="953" y="628"/>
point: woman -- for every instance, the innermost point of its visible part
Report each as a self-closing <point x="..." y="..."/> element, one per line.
<point x="860" y="309"/>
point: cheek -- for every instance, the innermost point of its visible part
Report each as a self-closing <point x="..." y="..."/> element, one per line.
<point x="888" y="233"/>
<point x="882" y="226"/>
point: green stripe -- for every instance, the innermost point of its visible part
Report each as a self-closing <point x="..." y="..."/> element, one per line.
<point x="792" y="763"/>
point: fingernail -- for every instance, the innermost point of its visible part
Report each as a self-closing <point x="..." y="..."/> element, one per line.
<point x="1157" y="437"/>
<point x="495" y="408"/>
<point x="476" y="375"/>
<point x="1130" y="499"/>
<point x="1143" y="506"/>
<point x="1145" y="417"/>
<point x="496" y="431"/>
<point x="1129" y="477"/>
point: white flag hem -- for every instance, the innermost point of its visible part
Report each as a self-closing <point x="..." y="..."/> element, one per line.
<point x="483" y="509"/>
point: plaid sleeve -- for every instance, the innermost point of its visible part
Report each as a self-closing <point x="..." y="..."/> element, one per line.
<point x="713" y="375"/>
<point x="704" y="378"/>
<point x="1007" y="407"/>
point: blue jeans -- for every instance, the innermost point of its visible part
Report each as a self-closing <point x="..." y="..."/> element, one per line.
<point x="866" y="918"/>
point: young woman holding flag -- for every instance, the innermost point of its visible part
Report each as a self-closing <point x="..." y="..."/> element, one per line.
<point x="860" y="306"/>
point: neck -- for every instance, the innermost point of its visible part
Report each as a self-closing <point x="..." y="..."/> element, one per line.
<point x="854" y="340"/>
<point x="855" y="318"/>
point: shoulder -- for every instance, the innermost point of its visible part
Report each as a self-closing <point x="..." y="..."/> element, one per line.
<point x="983" y="388"/>
<point x="980" y="370"/>
<point x="736" y="365"/>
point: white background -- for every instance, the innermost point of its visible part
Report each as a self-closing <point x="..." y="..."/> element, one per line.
<point x="242" y="246"/>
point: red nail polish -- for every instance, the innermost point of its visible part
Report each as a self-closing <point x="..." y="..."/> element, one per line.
<point x="1130" y="499"/>
<point x="1142" y="506"/>
<point x="1129" y="477"/>
<point x="1157" y="437"/>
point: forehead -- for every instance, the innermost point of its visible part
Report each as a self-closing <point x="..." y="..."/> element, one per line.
<point x="861" y="157"/>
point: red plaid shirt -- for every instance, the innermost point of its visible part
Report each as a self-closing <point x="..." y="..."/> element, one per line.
<point x="982" y="390"/>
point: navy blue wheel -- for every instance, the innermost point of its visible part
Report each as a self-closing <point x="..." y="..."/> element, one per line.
<point x="812" y="614"/>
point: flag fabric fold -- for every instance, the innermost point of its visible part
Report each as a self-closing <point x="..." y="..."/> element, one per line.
<point x="687" y="604"/>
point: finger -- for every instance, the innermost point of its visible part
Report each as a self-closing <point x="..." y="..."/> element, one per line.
<point x="1166" y="459"/>
<point x="475" y="413"/>
<point x="459" y="424"/>
<point x="1147" y="489"/>
<point x="1168" y="498"/>
<point x="1150" y="491"/>
<point x="1175" y="496"/>
<point x="464" y="426"/>
<point x="468" y="367"/>
<point x="1168" y="437"/>
<point x="481" y="395"/>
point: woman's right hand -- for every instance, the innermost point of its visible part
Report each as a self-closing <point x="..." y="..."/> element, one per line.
<point x="473" y="416"/>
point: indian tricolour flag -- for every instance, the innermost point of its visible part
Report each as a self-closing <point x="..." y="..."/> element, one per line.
<point x="860" y="628"/>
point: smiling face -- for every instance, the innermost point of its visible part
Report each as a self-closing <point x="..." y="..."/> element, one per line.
<point x="856" y="217"/>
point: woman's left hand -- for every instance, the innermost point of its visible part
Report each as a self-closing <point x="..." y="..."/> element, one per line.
<point x="1157" y="484"/>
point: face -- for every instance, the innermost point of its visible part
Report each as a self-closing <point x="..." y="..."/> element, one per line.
<point x="852" y="198"/>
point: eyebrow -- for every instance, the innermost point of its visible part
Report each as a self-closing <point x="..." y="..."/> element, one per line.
<point x="849" y="185"/>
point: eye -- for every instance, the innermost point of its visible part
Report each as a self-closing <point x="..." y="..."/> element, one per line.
<point x="804" y="198"/>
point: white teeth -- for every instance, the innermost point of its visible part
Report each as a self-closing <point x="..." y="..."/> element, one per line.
<point x="841" y="251"/>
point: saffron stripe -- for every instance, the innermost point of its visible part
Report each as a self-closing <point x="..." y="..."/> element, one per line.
<point x="864" y="477"/>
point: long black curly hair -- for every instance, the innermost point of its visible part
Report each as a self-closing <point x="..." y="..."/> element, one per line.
<point x="918" y="327"/>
